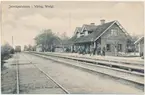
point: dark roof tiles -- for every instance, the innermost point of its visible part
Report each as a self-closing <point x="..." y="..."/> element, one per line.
<point x="90" y="27"/>
<point x="96" y="33"/>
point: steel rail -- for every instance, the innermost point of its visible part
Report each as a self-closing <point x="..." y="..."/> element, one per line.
<point x="48" y="76"/>
<point x="17" y="74"/>
<point x="55" y="59"/>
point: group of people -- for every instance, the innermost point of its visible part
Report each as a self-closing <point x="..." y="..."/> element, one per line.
<point x="98" y="51"/>
<point x="92" y="51"/>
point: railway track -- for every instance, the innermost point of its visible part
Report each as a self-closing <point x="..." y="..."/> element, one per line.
<point x="134" y="77"/>
<point x="18" y="86"/>
<point x="17" y="75"/>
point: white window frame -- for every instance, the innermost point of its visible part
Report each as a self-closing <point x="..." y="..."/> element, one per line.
<point x="114" y="31"/>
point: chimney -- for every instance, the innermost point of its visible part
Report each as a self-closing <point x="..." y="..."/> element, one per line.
<point x="102" y="21"/>
<point x="92" y="23"/>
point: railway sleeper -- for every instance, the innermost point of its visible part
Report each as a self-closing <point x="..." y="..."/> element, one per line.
<point x="122" y="80"/>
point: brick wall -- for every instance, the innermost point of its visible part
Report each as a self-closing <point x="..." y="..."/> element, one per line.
<point x="114" y="40"/>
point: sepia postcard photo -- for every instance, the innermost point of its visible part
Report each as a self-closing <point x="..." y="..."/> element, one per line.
<point x="72" y="47"/>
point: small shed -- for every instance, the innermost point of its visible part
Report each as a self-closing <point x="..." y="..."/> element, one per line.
<point x="140" y="45"/>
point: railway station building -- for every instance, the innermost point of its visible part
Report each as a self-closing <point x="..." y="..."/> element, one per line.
<point x="110" y="37"/>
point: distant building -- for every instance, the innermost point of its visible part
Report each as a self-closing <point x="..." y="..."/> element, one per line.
<point x="140" y="45"/>
<point x="17" y="48"/>
<point x="39" y="48"/>
<point x="110" y="37"/>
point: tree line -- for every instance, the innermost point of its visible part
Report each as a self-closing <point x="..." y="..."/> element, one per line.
<point x="47" y="41"/>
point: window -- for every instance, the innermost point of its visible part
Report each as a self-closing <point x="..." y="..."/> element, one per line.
<point x="78" y="35"/>
<point x="89" y="32"/>
<point x="114" y="32"/>
<point x="119" y="47"/>
<point x="108" y="47"/>
<point x="86" y="33"/>
<point x="82" y="34"/>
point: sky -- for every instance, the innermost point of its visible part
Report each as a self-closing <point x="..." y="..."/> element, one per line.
<point x="26" y="23"/>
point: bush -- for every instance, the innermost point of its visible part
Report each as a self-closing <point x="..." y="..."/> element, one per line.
<point x="6" y="50"/>
<point x="12" y="51"/>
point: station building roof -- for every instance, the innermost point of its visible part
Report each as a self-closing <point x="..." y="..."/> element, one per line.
<point x="96" y="32"/>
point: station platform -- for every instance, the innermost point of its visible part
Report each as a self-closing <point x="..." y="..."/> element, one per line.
<point x="132" y="60"/>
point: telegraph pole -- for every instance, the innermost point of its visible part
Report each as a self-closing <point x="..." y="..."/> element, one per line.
<point x="69" y="21"/>
<point x="70" y="27"/>
<point x="12" y="42"/>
